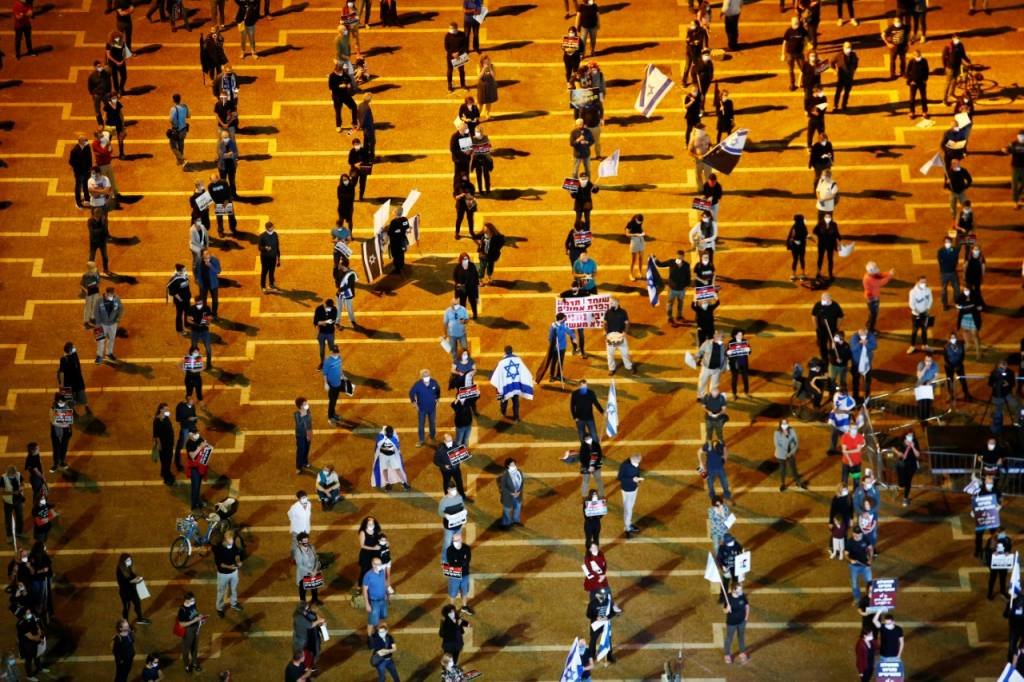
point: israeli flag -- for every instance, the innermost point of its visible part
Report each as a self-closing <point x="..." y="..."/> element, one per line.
<point x="611" y="412"/>
<point x="1010" y="675"/>
<point x="573" y="670"/>
<point x="654" y="88"/>
<point x="654" y="281"/>
<point x="604" y="644"/>
<point x="1015" y="576"/>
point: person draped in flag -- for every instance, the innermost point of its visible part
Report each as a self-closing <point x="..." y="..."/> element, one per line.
<point x="600" y="611"/>
<point x="512" y="379"/>
<point x="388" y="468"/>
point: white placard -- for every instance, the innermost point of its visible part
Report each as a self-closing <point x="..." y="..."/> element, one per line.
<point x="690" y="361"/>
<point x="203" y="201"/>
<point x="141" y="588"/>
<point x="730" y="520"/>
<point x="845" y="249"/>
<point x="1001" y="561"/>
<point x="483" y="15"/>
<point x="925" y="392"/>
<point x="380" y="218"/>
<point x="410" y="201"/>
<point x="323" y="632"/>
<point x="742" y="565"/>
<point x="963" y="119"/>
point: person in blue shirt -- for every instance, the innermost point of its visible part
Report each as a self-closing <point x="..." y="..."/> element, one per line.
<point x="470" y="9"/>
<point x="455" y="317"/>
<point x="712" y="456"/>
<point x="209" y="279"/>
<point x="585" y="270"/>
<point x="927" y="372"/>
<point x="375" y="595"/>
<point x="862" y="350"/>
<point x="559" y="338"/>
<point x="332" y="371"/>
<point x="629" y="483"/>
<point x="424" y="394"/>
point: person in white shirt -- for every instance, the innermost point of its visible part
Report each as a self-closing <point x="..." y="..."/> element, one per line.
<point x="99" y="189"/>
<point x="920" y="301"/>
<point x="300" y="515"/>
<point x="827" y="193"/>
<point x="198" y="241"/>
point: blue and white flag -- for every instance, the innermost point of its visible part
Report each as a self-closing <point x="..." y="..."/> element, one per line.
<point x="724" y="156"/>
<point x="653" y="89"/>
<point x="604" y="643"/>
<point x="1010" y="675"/>
<point x="654" y="281"/>
<point x="511" y="378"/>
<point x="611" y="412"/>
<point x="573" y="670"/>
<point x="1015" y="576"/>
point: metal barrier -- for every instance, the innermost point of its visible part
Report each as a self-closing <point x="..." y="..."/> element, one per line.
<point x="944" y="466"/>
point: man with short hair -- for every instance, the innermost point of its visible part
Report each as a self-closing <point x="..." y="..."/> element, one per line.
<point x="456" y="43"/>
<point x="678" y="280"/>
<point x="510" y="483"/>
<point x="452" y="510"/>
<point x="69" y="376"/>
<point x="455" y="318"/>
<point x="333" y="374"/>
<point x="424" y="395"/>
<point x="199" y="318"/>
<point x="325" y="317"/>
<point x="793" y="41"/>
<point x="375" y="595"/>
<point x="80" y="160"/>
<point x="228" y="557"/>
<point x="873" y="281"/>
<point x="629" y="483"/>
<point x="715" y="414"/>
<point x="179" y="118"/>
<point x="580" y="139"/>
<point x="300" y="517"/>
<point x="711" y="356"/>
<point x="108" y="314"/>
<point x="852" y="443"/>
<point x="712" y="456"/>
<point x="859" y="554"/>
<point x="582" y="402"/>
<point x="270" y="256"/>
<point x="890" y="648"/>
<point x="616" y="330"/>
<point x="451" y="473"/>
<point x="698" y="145"/>
<point x="100" y="85"/>
<point x="958" y="181"/>
<point x="459" y="555"/>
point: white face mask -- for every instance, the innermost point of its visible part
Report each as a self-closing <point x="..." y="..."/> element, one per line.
<point x="457" y="545"/>
<point x="976" y="252"/>
<point x="127" y="562"/>
<point x="1020" y="138"/>
<point x="382" y="633"/>
<point x="304" y="502"/>
<point x="583" y="182"/>
<point x="837" y="339"/>
<point x="588" y="440"/>
<point x="952" y="341"/>
<point x="356" y="147"/>
<point x="453" y="31"/>
<point x="679" y="261"/>
<point x="843" y="492"/>
<point x="922" y="285"/>
<point x="465" y="263"/>
<point x="847" y="50"/>
<point x="853" y="430"/>
<point x="512" y="468"/>
<point x="426" y="380"/>
<point x="305" y="407"/>
<point x="167" y="413"/>
<point x="465" y="357"/>
<point x="704" y="306"/>
<point x="991" y="446"/>
<point x="785" y="426"/>
<point x="910" y="438"/>
<point x="229" y="545"/>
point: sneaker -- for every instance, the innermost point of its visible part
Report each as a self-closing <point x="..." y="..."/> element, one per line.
<point x="839" y="22"/>
<point x="143" y="621"/>
<point x="337" y="129"/>
<point x="910" y="351"/>
<point x="237" y="607"/>
<point x="854" y="22"/>
<point x="196" y="668"/>
<point x="99" y="360"/>
<point x="728" y="659"/>
<point x="220" y="612"/>
<point x="744" y="658"/>
<point x="112" y="357"/>
<point x="469" y="609"/>
<point x="407" y="487"/>
<point x="53" y="469"/>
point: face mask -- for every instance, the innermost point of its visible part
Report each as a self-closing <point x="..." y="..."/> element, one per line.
<point x="991" y="446"/>
<point x="976" y="252"/>
<point x="465" y="263"/>
<point x="378" y="569"/>
<point x="512" y="468"/>
<point x="847" y="50"/>
<point x="731" y="543"/>
<point x="952" y="341"/>
<point x="705" y="261"/>
<point x="838" y="339"/>
<point x="679" y="261"/>
<point x="706" y="58"/>
<point x="24" y="559"/>
<point x="127" y="562"/>
<point x="583" y="183"/>
<point x="453" y="31"/>
<point x="583" y="390"/>
<point x="356" y="147"/>
<point x="382" y="633"/>
<point x="61" y="404"/>
<point x="199" y="306"/>
<point x="853" y="430"/>
<point x="305" y="407"/>
<point x="304" y="502"/>
<point x="910" y="438"/>
<point x="922" y="285"/>
<point x="229" y="545"/>
<point x="1020" y="138"/>
<point x="588" y="441"/>
<point x="956" y="41"/>
<point x="426" y="380"/>
<point x="704" y="306"/>
<point x="843" y="492"/>
<point x="345" y="182"/>
<point x="457" y="545"/>
<point x="949" y="245"/>
<point x="967" y="292"/>
<point x="109" y="298"/>
<point x="167" y="413"/>
<point x="785" y="426"/>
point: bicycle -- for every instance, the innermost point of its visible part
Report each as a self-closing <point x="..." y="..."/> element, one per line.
<point x="190" y="538"/>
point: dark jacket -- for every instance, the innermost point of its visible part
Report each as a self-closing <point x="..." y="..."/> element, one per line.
<point x="581" y="405"/>
<point x="80" y="159"/>
<point x="455" y="43"/>
<point x="678" y="274"/>
<point x="917" y="71"/>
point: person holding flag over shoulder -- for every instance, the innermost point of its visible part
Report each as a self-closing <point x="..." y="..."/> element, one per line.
<point x="600" y="611"/>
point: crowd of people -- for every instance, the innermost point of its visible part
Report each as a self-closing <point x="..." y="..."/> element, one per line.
<point x="853" y="525"/>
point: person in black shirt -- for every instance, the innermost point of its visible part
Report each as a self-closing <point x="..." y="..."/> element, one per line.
<point x="890" y="639"/>
<point x="465" y="204"/>
<point x="185" y="415"/>
<point x="398" y="241"/>
<point x="221" y="194"/>
<point x="822" y="157"/>
<point x="341" y="85"/>
<point x="346" y="201"/>
<point x="616" y="329"/>
<point x="581" y="407"/>
<point x="600" y="608"/>
<point x="189" y="620"/>
<point x="296" y="670"/>
<point x="163" y="441"/>
<point x="199" y="318"/>
<point x="80" y="161"/>
<point x="453" y="625"/>
<point x="29" y="636"/>
<point x="814" y="105"/>
<point x="123" y="649"/>
<point x="917" y="81"/>
<point x="827" y="315"/>
<point x="69" y="376"/>
<point x="228" y="558"/>
<point x="99" y="234"/>
<point x="737" y="611"/>
<point x="793" y="41"/>
<point x="455" y="44"/>
<point x="34" y="468"/>
<point x="360" y="164"/>
<point x="178" y="290"/>
<point x="270" y="256"/>
<point x="678" y="280"/>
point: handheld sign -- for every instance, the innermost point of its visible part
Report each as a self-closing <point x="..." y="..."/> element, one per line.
<point x="986" y="512"/>
<point x="224" y="209"/>
<point x="584" y="312"/>
<point x="582" y="239"/>
<point x="701" y="204"/>
<point x="450" y="571"/>
<point x="973" y="487"/>
<point x="458" y="455"/>
<point x="203" y="454"/>
<point x="570" y="42"/>
<point x="482" y="148"/>
<point x="203" y="201"/>
<point x="882" y="595"/>
<point x="456" y="519"/>
<point x="313" y="582"/>
<point x="191" y="364"/>
<point x="594" y="508"/>
<point x="742" y="564"/>
<point x="571" y="184"/>
<point x="704" y="293"/>
<point x="1001" y="561"/>
<point x="737" y="349"/>
<point x="468" y="392"/>
<point x="461" y="60"/>
<point x="63" y="417"/>
<point x="466" y="144"/>
<point x="890" y="671"/>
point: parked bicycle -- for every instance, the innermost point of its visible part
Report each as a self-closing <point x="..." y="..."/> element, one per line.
<point x="190" y="539"/>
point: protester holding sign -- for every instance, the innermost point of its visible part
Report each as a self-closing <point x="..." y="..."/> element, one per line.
<point x="458" y="557"/>
<point x="985" y="507"/>
<point x="999" y="559"/>
<point x="451" y="474"/>
<point x="738" y="352"/>
<point x="452" y="510"/>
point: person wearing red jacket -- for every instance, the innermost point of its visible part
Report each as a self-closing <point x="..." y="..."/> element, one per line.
<point x="873" y="282"/>
<point x="865" y="651"/>
<point x="22" y="13"/>
<point x="195" y="469"/>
